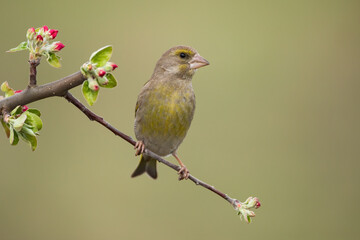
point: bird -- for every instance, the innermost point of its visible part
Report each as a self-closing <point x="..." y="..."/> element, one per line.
<point x="165" y="108"/>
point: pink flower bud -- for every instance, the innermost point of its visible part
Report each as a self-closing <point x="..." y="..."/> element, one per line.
<point x="257" y="202"/>
<point x="93" y="85"/>
<point x="39" y="38"/>
<point x="53" y="33"/>
<point x="25" y="108"/>
<point x="55" y="47"/>
<point x="30" y="33"/>
<point x="45" y="28"/>
<point x="109" y="66"/>
<point x="101" y="72"/>
<point x="58" y="46"/>
<point x="31" y="30"/>
<point x="18" y="91"/>
<point x="114" y="66"/>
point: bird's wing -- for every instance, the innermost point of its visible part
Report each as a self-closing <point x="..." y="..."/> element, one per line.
<point x="143" y="91"/>
<point x="137" y="106"/>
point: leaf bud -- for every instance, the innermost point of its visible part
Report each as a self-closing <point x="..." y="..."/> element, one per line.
<point x="102" y="80"/>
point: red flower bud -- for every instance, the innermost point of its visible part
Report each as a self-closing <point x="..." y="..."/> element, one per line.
<point x="101" y="72"/>
<point x="58" y="46"/>
<point x="257" y="203"/>
<point x="25" y="108"/>
<point x="109" y="66"/>
<point x="114" y="66"/>
<point x="53" y="33"/>
<point x="45" y="28"/>
<point x="18" y="91"/>
<point x="39" y="38"/>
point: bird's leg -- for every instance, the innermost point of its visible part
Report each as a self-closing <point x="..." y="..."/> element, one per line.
<point x="140" y="148"/>
<point x="183" y="172"/>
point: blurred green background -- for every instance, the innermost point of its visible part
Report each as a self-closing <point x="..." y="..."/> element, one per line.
<point x="277" y="117"/>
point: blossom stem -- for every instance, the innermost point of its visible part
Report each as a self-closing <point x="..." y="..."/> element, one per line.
<point x="33" y="64"/>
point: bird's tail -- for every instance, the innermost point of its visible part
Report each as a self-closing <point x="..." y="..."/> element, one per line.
<point x="148" y="165"/>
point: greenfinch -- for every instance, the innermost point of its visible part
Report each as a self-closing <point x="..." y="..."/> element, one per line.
<point x="165" y="108"/>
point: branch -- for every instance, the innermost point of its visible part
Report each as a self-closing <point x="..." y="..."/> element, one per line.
<point x="61" y="87"/>
<point x="93" y="117"/>
<point x="33" y="94"/>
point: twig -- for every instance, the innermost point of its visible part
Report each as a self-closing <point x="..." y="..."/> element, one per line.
<point x="33" y="64"/>
<point x="93" y="117"/>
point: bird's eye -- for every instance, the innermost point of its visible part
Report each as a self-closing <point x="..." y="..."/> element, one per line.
<point x="183" y="55"/>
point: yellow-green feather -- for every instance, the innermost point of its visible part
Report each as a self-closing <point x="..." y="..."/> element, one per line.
<point x="164" y="111"/>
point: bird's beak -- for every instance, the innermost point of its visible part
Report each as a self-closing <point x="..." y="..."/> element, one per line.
<point x="198" y="61"/>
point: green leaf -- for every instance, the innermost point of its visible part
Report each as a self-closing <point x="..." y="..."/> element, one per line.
<point x="101" y="56"/>
<point x="14" y="138"/>
<point x="29" y="136"/>
<point x="16" y="110"/>
<point x="112" y="81"/>
<point x="20" y="47"/>
<point x="34" y="111"/>
<point x="89" y="95"/>
<point x="6" y="128"/>
<point x="248" y="219"/>
<point x="53" y="60"/>
<point x="7" y="89"/>
<point x="19" y="122"/>
<point x="26" y="130"/>
<point x="34" y="121"/>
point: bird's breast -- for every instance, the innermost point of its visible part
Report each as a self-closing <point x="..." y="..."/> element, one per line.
<point x="164" y="117"/>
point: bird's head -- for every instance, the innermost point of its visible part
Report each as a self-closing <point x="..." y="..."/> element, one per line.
<point x="180" y="61"/>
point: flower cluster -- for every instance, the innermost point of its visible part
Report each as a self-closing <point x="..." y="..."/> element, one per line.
<point x="22" y="122"/>
<point x="243" y="208"/>
<point x="98" y="76"/>
<point x="40" y="43"/>
<point x="98" y="73"/>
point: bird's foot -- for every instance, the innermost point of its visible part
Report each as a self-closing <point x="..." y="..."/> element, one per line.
<point x="140" y="148"/>
<point x="183" y="173"/>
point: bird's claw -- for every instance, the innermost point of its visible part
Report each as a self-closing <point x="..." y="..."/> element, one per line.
<point x="140" y="148"/>
<point x="183" y="173"/>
